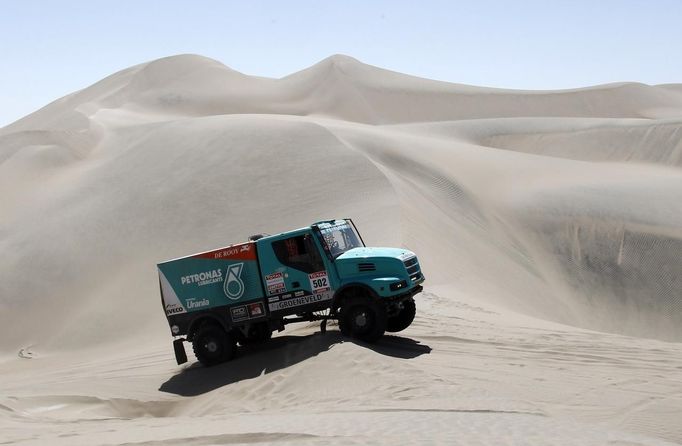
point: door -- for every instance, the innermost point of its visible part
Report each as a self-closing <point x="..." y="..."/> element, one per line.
<point x="294" y="274"/>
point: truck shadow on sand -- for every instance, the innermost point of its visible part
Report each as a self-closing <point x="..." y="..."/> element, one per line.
<point x="278" y="353"/>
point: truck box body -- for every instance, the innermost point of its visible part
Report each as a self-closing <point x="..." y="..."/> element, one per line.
<point x="223" y="278"/>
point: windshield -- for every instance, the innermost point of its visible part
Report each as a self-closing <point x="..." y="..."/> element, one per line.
<point x="338" y="237"/>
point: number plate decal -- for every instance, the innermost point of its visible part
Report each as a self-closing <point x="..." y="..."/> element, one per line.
<point x="319" y="282"/>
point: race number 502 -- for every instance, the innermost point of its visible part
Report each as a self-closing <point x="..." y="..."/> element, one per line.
<point x="319" y="281"/>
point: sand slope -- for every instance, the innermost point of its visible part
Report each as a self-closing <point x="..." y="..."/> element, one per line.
<point x="548" y="223"/>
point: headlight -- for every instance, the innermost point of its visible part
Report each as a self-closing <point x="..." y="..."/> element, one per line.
<point x="398" y="285"/>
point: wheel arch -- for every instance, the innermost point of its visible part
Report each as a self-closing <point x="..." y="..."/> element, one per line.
<point x="206" y="318"/>
<point x="339" y="294"/>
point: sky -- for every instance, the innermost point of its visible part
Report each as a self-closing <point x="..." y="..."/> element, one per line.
<point x="51" y="48"/>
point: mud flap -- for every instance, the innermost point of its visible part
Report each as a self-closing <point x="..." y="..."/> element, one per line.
<point x="180" y="355"/>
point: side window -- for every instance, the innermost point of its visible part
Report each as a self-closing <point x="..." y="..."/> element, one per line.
<point x="299" y="253"/>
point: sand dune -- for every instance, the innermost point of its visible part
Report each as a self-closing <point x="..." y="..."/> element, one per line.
<point x="548" y="223"/>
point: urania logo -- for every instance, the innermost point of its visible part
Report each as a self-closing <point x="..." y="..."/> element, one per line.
<point x="234" y="286"/>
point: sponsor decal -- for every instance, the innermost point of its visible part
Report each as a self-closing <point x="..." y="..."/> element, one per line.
<point x="245" y="251"/>
<point x="249" y="311"/>
<point x="298" y="301"/>
<point x="197" y="303"/>
<point x="275" y="283"/>
<point x="256" y="310"/>
<point x="171" y="301"/>
<point x="319" y="281"/>
<point x="203" y="278"/>
<point x="174" y="309"/>
<point x="234" y="286"/>
<point x="299" y="293"/>
<point x="273" y="299"/>
<point x="239" y="313"/>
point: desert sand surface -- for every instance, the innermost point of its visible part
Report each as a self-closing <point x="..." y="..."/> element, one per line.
<point x="548" y="225"/>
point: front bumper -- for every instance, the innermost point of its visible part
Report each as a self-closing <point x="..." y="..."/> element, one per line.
<point x="404" y="296"/>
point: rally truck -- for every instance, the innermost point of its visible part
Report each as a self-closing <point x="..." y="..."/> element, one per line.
<point x="241" y="293"/>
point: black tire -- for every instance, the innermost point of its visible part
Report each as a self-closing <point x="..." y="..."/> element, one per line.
<point x="404" y="318"/>
<point x="363" y="318"/>
<point x="212" y="345"/>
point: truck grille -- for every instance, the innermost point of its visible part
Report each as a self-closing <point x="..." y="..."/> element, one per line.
<point x="413" y="269"/>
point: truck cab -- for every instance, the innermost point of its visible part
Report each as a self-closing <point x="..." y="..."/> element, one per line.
<point x="244" y="292"/>
<point x="307" y="268"/>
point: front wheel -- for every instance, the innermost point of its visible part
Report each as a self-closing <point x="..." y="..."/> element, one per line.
<point x="363" y="318"/>
<point x="212" y="345"/>
<point x="403" y="318"/>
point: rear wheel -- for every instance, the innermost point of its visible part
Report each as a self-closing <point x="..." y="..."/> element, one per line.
<point x="212" y="345"/>
<point x="363" y="318"/>
<point x="403" y="318"/>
